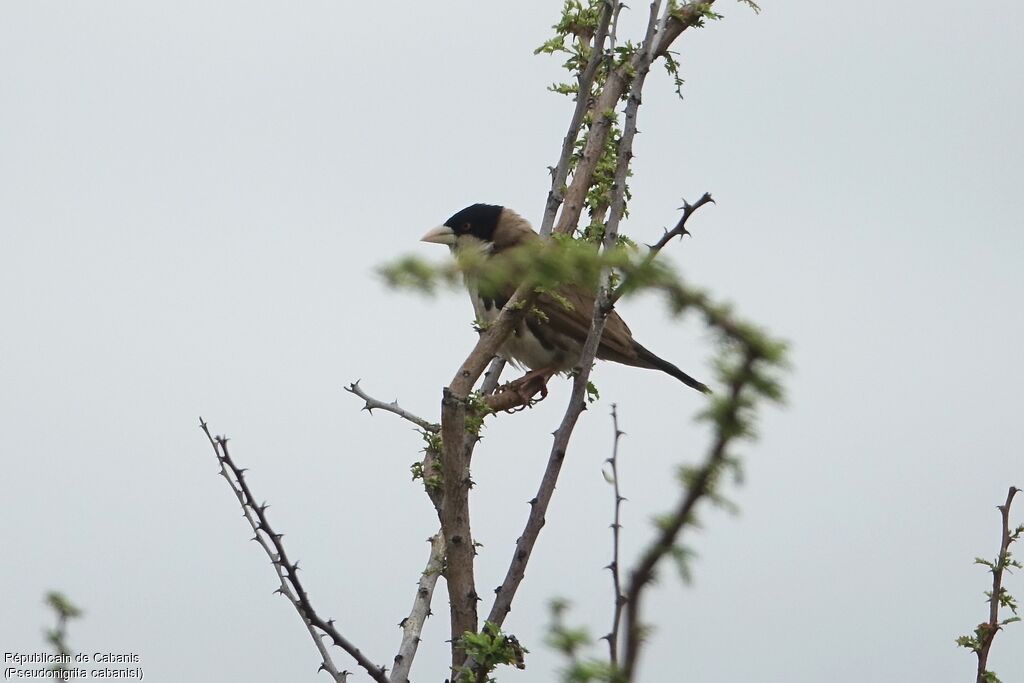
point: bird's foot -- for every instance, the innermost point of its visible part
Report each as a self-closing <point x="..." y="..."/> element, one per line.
<point x="520" y="393"/>
<point x="529" y="385"/>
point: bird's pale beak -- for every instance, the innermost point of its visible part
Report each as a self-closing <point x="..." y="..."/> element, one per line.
<point x="442" y="234"/>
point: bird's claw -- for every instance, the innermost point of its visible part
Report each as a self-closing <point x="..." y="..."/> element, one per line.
<point x="527" y="387"/>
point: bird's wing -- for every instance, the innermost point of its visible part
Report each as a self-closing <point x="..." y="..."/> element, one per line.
<point x="569" y="311"/>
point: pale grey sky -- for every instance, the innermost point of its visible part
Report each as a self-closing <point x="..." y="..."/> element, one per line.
<point x="193" y="197"/>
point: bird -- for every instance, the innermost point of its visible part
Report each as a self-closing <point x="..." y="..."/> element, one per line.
<point x="551" y="341"/>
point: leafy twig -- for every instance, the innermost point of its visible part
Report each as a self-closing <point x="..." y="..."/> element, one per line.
<point x="57" y="636"/>
<point x="287" y="571"/>
<point x="615" y="86"/>
<point x="535" y="520"/>
<point x="981" y="642"/>
<point x="560" y="172"/>
<point x="730" y="423"/>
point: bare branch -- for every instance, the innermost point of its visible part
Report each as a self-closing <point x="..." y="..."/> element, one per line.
<point x="412" y="626"/>
<point x="287" y="571"/>
<point x="678" y="231"/>
<point x="613" y="463"/>
<point x="492" y="376"/>
<point x="455" y="522"/>
<point x="393" y="407"/>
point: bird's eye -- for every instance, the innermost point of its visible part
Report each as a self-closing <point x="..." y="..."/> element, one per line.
<point x="467" y="226"/>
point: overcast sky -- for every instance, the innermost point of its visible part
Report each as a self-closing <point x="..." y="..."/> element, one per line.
<point x="193" y="198"/>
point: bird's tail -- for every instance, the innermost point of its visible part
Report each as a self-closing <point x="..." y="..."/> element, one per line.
<point x="652" y="361"/>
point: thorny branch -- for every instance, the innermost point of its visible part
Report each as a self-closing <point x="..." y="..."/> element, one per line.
<point x="457" y="444"/>
<point x="618" y="80"/>
<point x="457" y="447"/>
<point x="700" y="486"/>
<point x="613" y="463"/>
<point x="412" y="626"/>
<point x="678" y="231"/>
<point x="560" y="172"/>
<point x="985" y="633"/>
<point x="287" y="571"/>
<point x="577" y="404"/>
<point x="393" y="407"/>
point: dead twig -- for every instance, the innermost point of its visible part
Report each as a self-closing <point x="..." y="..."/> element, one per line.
<point x="678" y="231"/>
<point x="371" y="403"/>
<point x="616" y="525"/>
<point x="287" y="571"/>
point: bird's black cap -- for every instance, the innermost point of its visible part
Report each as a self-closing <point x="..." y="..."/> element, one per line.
<point x="478" y="220"/>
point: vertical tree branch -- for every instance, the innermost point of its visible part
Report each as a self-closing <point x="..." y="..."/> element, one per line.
<point x="412" y="626"/>
<point x="577" y="404"/>
<point x="455" y="523"/>
<point x="987" y="631"/>
<point x="615" y="86"/>
<point x="613" y="462"/>
<point x="560" y="173"/>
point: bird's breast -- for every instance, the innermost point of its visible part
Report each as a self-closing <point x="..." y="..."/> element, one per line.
<point x="532" y="344"/>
